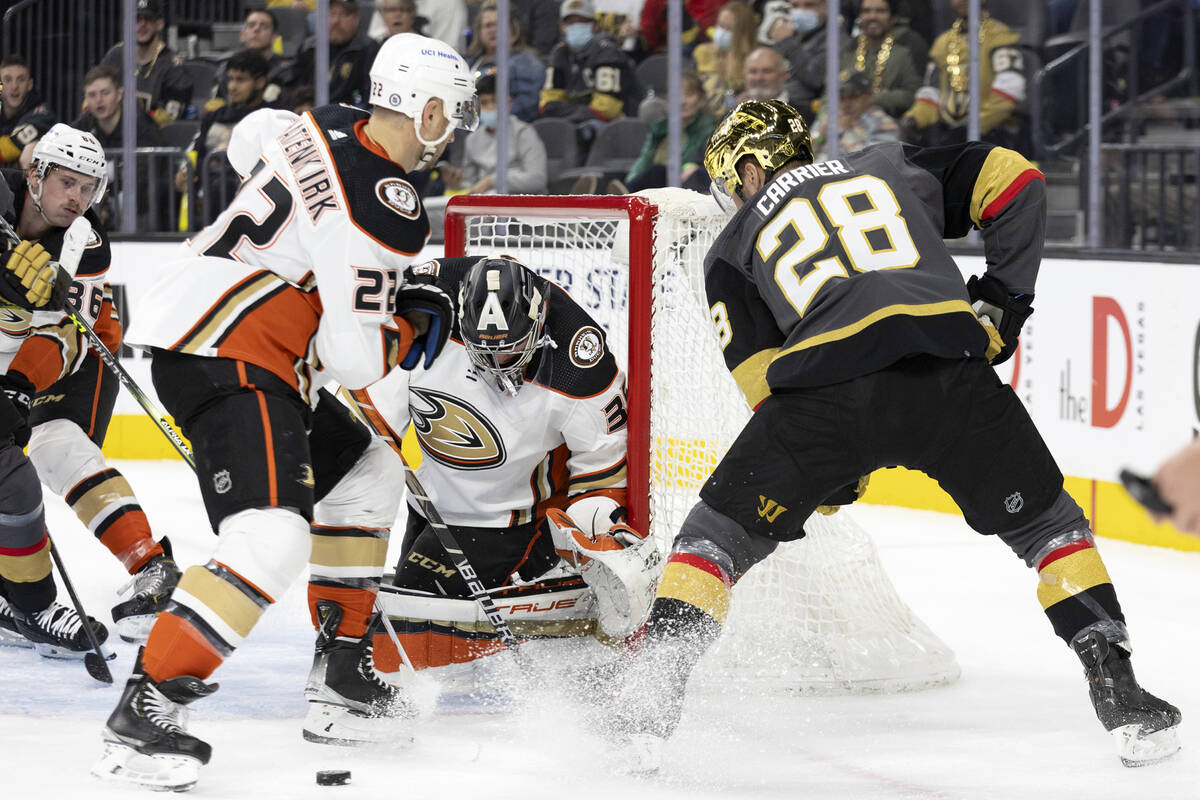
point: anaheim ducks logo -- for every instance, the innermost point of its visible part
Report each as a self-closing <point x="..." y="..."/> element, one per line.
<point x="399" y="196"/>
<point x="453" y="432"/>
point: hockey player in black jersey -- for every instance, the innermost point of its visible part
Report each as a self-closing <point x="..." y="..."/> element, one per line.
<point x="848" y="326"/>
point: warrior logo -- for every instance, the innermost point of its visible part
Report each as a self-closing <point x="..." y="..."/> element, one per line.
<point x="222" y="483"/>
<point x="1014" y="503"/>
<point x="768" y="509"/>
<point x="399" y="196"/>
<point x="453" y="432"/>
<point x="586" y="347"/>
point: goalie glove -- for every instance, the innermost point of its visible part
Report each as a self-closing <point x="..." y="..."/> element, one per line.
<point x="621" y="566"/>
<point x="421" y="294"/>
<point x="31" y="280"/>
<point x="1001" y="314"/>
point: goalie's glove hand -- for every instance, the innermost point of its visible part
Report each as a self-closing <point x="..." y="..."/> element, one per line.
<point x="420" y="294"/>
<point x="31" y="280"/>
<point x="1000" y="313"/>
<point x="586" y="545"/>
<point x="14" y="408"/>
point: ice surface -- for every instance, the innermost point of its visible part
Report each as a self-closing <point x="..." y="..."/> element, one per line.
<point x="1018" y="723"/>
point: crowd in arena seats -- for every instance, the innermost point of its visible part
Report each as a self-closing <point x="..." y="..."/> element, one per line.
<point x="595" y="68"/>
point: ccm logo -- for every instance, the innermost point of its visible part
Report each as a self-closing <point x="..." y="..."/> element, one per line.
<point x="536" y="608"/>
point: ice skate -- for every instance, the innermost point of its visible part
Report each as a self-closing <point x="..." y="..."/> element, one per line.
<point x="56" y="632"/>
<point x="146" y="742"/>
<point x="348" y="702"/>
<point x="144" y="596"/>
<point x="1145" y="728"/>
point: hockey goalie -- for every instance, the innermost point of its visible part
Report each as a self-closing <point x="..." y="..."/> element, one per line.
<point x="522" y="429"/>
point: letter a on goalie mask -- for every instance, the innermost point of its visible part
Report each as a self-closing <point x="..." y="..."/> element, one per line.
<point x="502" y="316"/>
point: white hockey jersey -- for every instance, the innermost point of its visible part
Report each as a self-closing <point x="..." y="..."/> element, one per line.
<point x="299" y="273"/>
<point x="45" y="346"/>
<point x="492" y="460"/>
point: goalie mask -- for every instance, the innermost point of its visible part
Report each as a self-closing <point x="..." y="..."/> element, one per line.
<point x="769" y="131"/>
<point x="502" y="316"/>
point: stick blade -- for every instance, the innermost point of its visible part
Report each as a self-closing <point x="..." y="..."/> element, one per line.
<point x="96" y="667"/>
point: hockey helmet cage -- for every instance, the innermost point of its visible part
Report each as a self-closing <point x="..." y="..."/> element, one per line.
<point x="411" y="69"/>
<point x="64" y="146"/>
<point x="502" y="315"/>
<point x="770" y="131"/>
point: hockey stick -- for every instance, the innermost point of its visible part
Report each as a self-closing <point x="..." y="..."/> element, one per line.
<point x="443" y="534"/>
<point x="74" y="241"/>
<point x="93" y="662"/>
<point x="410" y="673"/>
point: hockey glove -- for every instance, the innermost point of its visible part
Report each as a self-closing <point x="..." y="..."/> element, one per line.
<point x="844" y="496"/>
<point x="1001" y="313"/>
<point x="420" y="294"/>
<point x="14" y="407"/>
<point x="31" y="280"/>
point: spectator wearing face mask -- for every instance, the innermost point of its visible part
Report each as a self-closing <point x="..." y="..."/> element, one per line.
<point x="719" y="62"/>
<point x="861" y="122"/>
<point x="590" y="82"/>
<point x="805" y="52"/>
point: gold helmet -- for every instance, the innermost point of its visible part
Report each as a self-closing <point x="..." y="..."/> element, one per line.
<point x="771" y="131"/>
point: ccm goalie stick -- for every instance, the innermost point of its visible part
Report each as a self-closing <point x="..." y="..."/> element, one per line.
<point x="74" y="241"/>
<point x="371" y="417"/>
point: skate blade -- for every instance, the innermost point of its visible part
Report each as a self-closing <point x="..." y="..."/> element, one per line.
<point x="63" y="654"/>
<point x="135" y="629"/>
<point x="121" y="764"/>
<point x="326" y="723"/>
<point x="11" y="639"/>
<point x="1141" y="750"/>
<point x="640" y="755"/>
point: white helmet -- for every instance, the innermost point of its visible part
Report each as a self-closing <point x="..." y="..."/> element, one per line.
<point x="74" y="149"/>
<point x="410" y="69"/>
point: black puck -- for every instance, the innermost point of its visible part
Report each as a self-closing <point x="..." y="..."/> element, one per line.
<point x="333" y="777"/>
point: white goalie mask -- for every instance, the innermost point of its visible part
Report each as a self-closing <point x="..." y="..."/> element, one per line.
<point x="64" y="146"/>
<point x="410" y="70"/>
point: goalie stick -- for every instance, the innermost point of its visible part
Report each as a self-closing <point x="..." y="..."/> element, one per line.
<point x="74" y="241"/>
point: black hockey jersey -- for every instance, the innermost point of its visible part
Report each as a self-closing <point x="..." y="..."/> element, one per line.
<point x="596" y="82"/>
<point x="838" y="269"/>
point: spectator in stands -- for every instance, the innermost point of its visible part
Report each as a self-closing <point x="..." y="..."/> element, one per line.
<point x="766" y="76"/>
<point x="303" y="98"/>
<point x="102" y="95"/>
<point x="164" y="88"/>
<point x="591" y="82"/>
<point x="526" y="72"/>
<point x="258" y="36"/>
<point x="23" y="115"/>
<point x="396" y="16"/>
<point x="698" y="17"/>
<point x="776" y="25"/>
<point x="350" y="56"/>
<point x="539" y="21"/>
<point x="245" y="86"/>
<point x="720" y="62"/>
<point x="621" y="20"/>
<point x="939" y="115"/>
<point x="649" y="171"/>
<point x="805" y="52"/>
<point x="880" y="52"/>
<point x="447" y="21"/>
<point x="526" y="153"/>
<point x="861" y="122"/>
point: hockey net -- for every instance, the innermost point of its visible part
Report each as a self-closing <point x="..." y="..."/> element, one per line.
<point x="818" y="615"/>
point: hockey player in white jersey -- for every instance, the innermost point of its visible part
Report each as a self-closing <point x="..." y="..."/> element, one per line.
<point x="522" y="416"/>
<point x="70" y="418"/>
<point x="38" y="347"/>
<point x="297" y="283"/>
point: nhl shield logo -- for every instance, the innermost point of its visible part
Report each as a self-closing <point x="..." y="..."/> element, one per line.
<point x="222" y="483"/>
<point x="1014" y="503"/>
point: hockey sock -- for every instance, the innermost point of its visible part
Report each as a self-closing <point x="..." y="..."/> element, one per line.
<point x="692" y="602"/>
<point x="105" y="503"/>
<point x="25" y="571"/>
<point x="211" y="612"/>
<point x="346" y="568"/>
<point x="1075" y="590"/>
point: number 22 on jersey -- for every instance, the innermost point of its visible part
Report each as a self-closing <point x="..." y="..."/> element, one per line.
<point x="866" y="217"/>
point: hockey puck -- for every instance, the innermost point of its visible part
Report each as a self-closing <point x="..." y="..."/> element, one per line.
<point x="333" y="777"/>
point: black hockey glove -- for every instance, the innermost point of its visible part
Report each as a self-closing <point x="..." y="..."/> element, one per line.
<point x="421" y="294"/>
<point x="14" y="407"/>
<point x="1006" y="312"/>
<point x="31" y="280"/>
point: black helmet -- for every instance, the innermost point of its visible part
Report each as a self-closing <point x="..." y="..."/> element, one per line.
<point x="502" y="309"/>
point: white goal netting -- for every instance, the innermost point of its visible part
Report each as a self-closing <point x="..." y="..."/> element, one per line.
<point x="818" y="615"/>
